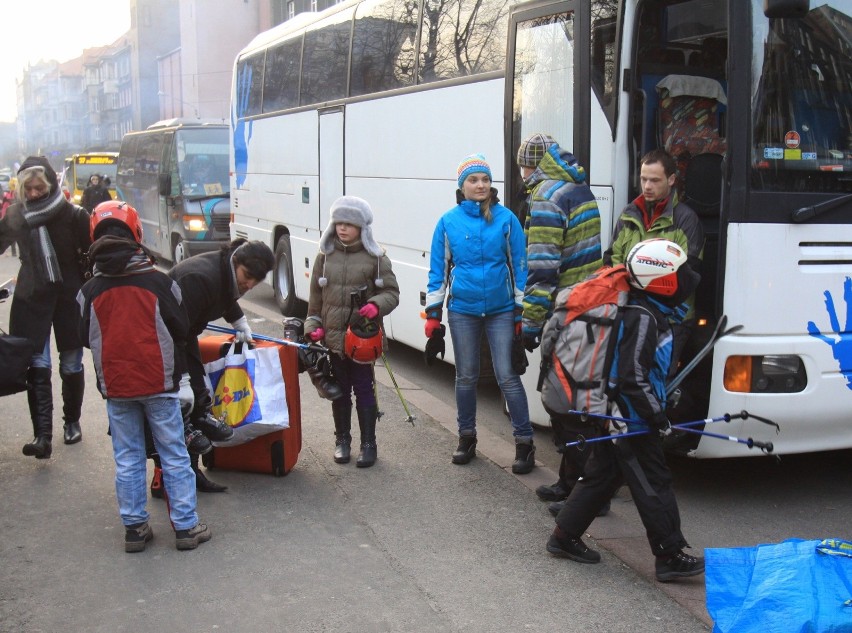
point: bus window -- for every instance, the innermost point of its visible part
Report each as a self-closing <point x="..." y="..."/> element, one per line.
<point x="326" y="59"/>
<point x="461" y="38"/>
<point x="281" y="78"/>
<point x="383" y="46"/>
<point x="250" y="85"/>
<point x="80" y="167"/>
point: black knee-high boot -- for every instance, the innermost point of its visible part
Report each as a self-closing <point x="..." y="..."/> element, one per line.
<point x="341" y="410"/>
<point x="367" y="417"/>
<point x="73" y="386"/>
<point x="40" y="399"/>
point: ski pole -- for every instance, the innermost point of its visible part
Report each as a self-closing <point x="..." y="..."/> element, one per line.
<point x="767" y="447"/>
<point x="312" y="347"/>
<point x="718" y="332"/>
<point x="410" y="417"/>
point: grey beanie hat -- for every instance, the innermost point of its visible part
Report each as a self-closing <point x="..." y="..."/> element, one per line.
<point x="355" y="211"/>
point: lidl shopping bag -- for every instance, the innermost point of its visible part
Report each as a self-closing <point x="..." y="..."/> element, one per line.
<point x="248" y="390"/>
<point x="790" y="587"/>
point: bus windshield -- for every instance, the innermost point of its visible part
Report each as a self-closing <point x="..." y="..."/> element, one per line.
<point x="202" y="156"/>
<point x="802" y="100"/>
<point x="88" y="165"/>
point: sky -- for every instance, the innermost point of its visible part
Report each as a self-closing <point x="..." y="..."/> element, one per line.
<point x="53" y="29"/>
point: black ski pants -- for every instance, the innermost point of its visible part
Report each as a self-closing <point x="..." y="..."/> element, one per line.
<point x="637" y="461"/>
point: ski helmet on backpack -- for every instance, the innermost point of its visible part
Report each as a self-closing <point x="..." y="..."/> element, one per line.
<point x="653" y="266"/>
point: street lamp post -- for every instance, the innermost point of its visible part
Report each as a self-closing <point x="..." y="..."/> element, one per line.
<point x="162" y="94"/>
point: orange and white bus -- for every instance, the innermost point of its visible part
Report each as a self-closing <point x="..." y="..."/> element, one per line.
<point x="80" y="167"/>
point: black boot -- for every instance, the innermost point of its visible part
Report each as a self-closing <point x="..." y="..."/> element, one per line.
<point x="466" y="450"/>
<point x="524" y="456"/>
<point x="72" y="402"/>
<point x="202" y="484"/>
<point x="341" y="410"/>
<point x="40" y="399"/>
<point x="367" y="417"/>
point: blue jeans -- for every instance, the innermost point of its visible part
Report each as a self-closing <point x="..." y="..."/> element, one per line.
<point x="466" y="332"/>
<point x="126" y="420"/>
<point x="70" y="361"/>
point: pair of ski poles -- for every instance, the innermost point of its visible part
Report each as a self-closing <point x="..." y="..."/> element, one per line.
<point x="315" y="347"/>
<point x="766" y="447"/>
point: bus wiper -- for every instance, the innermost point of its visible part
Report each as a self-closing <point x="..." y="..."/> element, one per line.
<point x="803" y="214"/>
<point x="203" y="196"/>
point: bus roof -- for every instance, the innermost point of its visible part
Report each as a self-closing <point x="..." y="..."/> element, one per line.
<point x="184" y="122"/>
<point x="293" y="25"/>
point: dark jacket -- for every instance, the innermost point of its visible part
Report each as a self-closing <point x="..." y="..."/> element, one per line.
<point x="39" y="304"/>
<point x="93" y="195"/>
<point x="209" y="289"/>
<point x="133" y="322"/>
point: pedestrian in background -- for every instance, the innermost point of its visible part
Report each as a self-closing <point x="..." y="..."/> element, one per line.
<point x="140" y="382"/>
<point x="478" y="267"/>
<point x="9" y="197"/>
<point x="661" y="280"/>
<point x="52" y="235"/>
<point x="563" y="228"/>
<point x="351" y="265"/>
<point x="94" y="193"/>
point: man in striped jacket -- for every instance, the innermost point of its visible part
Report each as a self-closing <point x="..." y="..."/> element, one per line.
<point x="563" y="230"/>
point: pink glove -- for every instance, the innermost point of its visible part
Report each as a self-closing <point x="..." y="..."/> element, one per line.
<point x="317" y="335"/>
<point x="369" y="310"/>
<point x="431" y="326"/>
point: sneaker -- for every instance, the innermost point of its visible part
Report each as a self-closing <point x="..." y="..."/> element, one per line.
<point x="573" y="548"/>
<point x="196" y="443"/>
<point x="189" y="539"/>
<point x="136" y="536"/>
<point x="214" y="428"/>
<point x="678" y="565"/>
<point x="553" y="492"/>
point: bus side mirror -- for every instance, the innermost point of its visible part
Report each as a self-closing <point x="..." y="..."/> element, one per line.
<point x="786" y="8"/>
<point x="164" y="181"/>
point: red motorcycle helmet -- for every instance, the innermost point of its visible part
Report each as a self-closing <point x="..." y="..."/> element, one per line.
<point x="363" y="342"/>
<point x="114" y="212"/>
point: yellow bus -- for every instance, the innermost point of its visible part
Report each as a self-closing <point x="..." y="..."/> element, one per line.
<point x="80" y="167"/>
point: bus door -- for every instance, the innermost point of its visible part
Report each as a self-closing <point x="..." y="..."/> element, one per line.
<point x="170" y="207"/>
<point x="330" y="161"/>
<point x="541" y="92"/>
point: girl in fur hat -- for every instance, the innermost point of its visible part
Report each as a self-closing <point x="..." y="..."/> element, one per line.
<point x="350" y="264"/>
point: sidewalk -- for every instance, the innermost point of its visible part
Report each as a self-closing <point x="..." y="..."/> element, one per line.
<point x="413" y="544"/>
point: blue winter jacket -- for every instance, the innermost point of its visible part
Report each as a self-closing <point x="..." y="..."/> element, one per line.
<point x="479" y="267"/>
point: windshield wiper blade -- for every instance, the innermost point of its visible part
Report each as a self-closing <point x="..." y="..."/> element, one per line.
<point x="803" y="214"/>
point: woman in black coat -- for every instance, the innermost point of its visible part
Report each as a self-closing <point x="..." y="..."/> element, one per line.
<point x="52" y="235"/>
<point x="94" y="193"/>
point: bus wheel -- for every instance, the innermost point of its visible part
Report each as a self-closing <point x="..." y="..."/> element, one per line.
<point x="282" y="278"/>
<point x="178" y="252"/>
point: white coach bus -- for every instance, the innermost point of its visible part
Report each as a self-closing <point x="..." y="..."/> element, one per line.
<point x="382" y="98"/>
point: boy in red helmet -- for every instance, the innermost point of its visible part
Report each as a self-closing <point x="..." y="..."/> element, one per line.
<point x="133" y="322"/>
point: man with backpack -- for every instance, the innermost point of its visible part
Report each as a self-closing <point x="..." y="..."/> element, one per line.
<point x="660" y="280"/>
<point x="563" y="247"/>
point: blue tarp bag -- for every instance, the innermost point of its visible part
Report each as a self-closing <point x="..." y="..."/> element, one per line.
<point x="791" y="587"/>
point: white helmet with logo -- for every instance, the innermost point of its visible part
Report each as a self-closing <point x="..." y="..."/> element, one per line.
<point x="653" y="266"/>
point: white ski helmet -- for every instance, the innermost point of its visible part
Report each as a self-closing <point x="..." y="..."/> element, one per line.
<point x="653" y="266"/>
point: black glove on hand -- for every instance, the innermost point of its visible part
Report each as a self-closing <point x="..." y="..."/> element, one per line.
<point x="519" y="356"/>
<point x="435" y="345"/>
<point x="662" y="426"/>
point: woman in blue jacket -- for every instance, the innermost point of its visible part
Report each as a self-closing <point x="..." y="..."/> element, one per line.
<point x="478" y="266"/>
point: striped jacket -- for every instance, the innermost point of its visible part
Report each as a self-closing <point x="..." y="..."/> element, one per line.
<point x="563" y="230"/>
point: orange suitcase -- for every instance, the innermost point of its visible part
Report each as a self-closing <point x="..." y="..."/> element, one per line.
<point x="275" y="453"/>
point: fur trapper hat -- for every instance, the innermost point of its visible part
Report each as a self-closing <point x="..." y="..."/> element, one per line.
<point x="355" y="211"/>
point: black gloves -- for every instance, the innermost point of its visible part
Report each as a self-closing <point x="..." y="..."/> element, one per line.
<point x="435" y="345"/>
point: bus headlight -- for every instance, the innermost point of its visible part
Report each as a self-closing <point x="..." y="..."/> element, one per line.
<point x="773" y="373"/>
<point x="194" y="223"/>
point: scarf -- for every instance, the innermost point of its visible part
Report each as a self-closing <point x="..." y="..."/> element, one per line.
<point x="117" y="256"/>
<point x="37" y="214"/>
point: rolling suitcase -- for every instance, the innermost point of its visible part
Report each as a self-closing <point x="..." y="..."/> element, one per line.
<point x="275" y="453"/>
